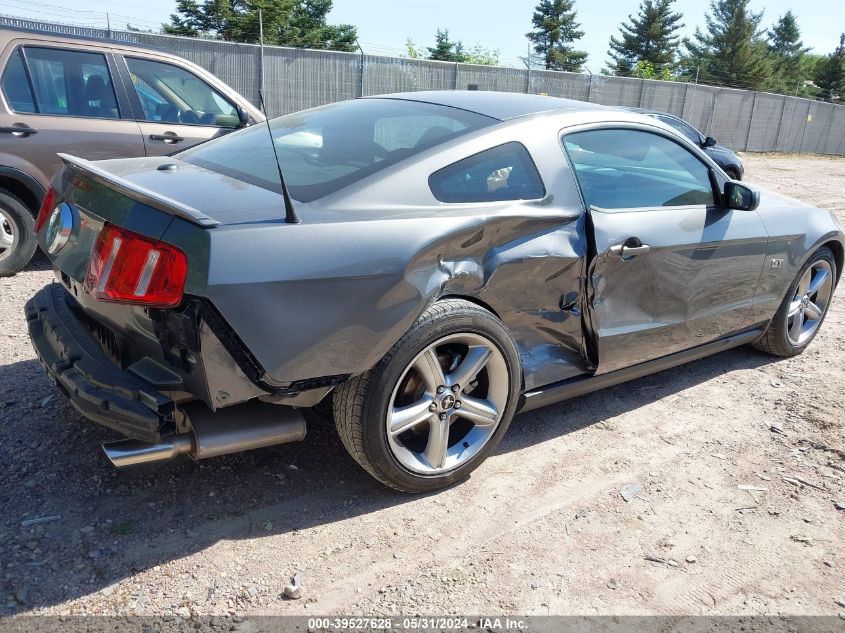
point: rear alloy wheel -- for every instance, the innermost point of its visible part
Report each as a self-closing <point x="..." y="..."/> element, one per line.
<point x="804" y="308"/>
<point x="437" y="404"/>
<point x="447" y="404"/>
<point x="17" y="235"/>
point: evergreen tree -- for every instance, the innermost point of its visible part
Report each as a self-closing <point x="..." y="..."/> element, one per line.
<point x="444" y="49"/>
<point x="649" y="37"/>
<point x="555" y="30"/>
<point x="830" y="74"/>
<point x="786" y="51"/>
<point x="731" y="52"/>
<point x="298" y="23"/>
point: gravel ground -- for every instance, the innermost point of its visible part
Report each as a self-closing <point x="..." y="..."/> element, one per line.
<point x="540" y="528"/>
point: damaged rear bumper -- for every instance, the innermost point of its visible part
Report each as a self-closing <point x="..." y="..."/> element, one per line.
<point x="77" y="364"/>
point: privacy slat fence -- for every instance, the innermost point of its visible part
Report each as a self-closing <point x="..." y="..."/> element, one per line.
<point x="296" y="79"/>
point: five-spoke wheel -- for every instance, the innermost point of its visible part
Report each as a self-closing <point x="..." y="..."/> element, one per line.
<point x="447" y="403"/>
<point x="804" y="307"/>
<point x="810" y="301"/>
<point x="438" y="402"/>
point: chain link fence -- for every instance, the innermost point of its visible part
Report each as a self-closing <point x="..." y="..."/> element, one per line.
<point x="295" y="79"/>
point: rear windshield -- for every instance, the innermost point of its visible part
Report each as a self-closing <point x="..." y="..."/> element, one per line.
<point x="328" y="148"/>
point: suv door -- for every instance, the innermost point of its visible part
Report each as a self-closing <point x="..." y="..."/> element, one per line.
<point x="174" y="107"/>
<point x="673" y="268"/>
<point x="61" y="99"/>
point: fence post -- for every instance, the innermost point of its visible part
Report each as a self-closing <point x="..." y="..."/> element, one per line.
<point x="360" y="70"/>
<point x="455" y="82"/>
<point x="590" y="89"/>
<point x="750" y="120"/>
<point x="642" y="89"/>
<point x="780" y="122"/>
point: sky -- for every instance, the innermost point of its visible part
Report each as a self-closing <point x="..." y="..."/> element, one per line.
<point x="384" y="25"/>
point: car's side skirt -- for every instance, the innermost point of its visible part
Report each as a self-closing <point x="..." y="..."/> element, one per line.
<point x="574" y="387"/>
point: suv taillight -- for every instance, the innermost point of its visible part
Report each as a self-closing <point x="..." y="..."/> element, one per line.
<point x="129" y="268"/>
<point x="46" y="209"/>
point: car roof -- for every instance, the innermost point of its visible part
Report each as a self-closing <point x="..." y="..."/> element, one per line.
<point x="497" y="105"/>
<point x="8" y="33"/>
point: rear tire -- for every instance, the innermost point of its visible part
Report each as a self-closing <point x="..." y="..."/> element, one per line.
<point x="410" y="422"/>
<point x="17" y="235"/>
<point x="809" y="296"/>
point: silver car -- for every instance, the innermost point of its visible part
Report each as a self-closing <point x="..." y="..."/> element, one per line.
<point x="420" y="267"/>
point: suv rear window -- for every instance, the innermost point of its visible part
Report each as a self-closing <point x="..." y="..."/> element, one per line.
<point x="16" y="86"/>
<point x="65" y="82"/>
<point x="325" y="149"/>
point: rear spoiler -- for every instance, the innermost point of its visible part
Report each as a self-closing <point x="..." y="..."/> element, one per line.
<point x="136" y="192"/>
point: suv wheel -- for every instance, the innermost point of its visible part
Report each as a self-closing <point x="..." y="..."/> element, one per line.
<point x="17" y="235"/>
<point x="437" y="404"/>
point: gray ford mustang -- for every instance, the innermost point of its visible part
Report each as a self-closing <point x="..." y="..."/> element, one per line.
<point x="420" y="267"/>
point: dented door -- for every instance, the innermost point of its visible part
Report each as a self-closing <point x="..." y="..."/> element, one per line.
<point x="672" y="268"/>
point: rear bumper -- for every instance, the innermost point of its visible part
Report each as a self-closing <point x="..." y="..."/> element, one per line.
<point x="97" y="387"/>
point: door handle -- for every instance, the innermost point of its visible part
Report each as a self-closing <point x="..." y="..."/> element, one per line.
<point x="628" y="251"/>
<point x="18" y="130"/>
<point x="167" y="137"/>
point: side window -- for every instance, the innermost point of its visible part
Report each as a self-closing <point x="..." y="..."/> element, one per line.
<point x="682" y="127"/>
<point x="16" y="87"/>
<point x="71" y="83"/>
<point x="623" y="169"/>
<point x="505" y="172"/>
<point x="171" y="94"/>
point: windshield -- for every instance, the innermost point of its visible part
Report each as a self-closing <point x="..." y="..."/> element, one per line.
<point x="325" y="149"/>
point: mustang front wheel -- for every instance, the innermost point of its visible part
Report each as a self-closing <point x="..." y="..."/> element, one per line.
<point x="437" y="404"/>
<point x="803" y="309"/>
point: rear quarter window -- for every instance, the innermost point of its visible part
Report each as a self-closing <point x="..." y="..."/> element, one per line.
<point x="506" y="172"/>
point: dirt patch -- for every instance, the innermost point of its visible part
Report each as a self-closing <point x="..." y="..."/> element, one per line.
<point x="738" y="458"/>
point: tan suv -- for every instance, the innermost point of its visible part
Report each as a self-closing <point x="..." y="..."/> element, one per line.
<point x="96" y="99"/>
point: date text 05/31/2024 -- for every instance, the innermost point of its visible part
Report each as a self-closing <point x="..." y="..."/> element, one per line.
<point x="416" y="623"/>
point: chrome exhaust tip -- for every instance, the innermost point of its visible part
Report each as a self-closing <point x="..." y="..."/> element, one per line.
<point x="131" y="452"/>
<point x="239" y="428"/>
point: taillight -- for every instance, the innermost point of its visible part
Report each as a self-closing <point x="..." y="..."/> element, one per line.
<point x="46" y="209"/>
<point x="129" y="268"/>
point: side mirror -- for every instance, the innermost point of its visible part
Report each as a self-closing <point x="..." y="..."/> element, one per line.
<point x="243" y="116"/>
<point x="741" y="197"/>
<point x="709" y="141"/>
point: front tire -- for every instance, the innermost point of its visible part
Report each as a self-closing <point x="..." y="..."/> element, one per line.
<point x="803" y="309"/>
<point x="437" y="404"/>
<point x="17" y="235"/>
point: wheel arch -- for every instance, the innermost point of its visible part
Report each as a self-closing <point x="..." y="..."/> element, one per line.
<point x="838" y="255"/>
<point x="472" y="299"/>
<point x="22" y="186"/>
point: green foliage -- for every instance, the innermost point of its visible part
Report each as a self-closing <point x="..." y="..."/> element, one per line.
<point x="446" y="50"/>
<point x="411" y="47"/>
<point x="830" y="74"/>
<point x="646" y="70"/>
<point x="481" y="56"/>
<point x="297" y="23"/>
<point x="731" y="51"/>
<point x="786" y="53"/>
<point x="555" y="30"/>
<point x="650" y="37"/>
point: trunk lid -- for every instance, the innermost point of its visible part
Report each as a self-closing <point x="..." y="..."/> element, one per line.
<point x="195" y="194"/>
